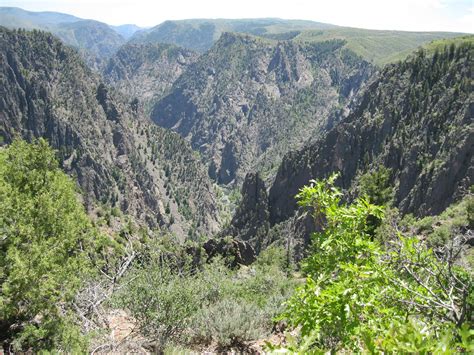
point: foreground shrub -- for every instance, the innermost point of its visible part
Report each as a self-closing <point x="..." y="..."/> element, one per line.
<point x="45" y="236"/>
<point x="195" y="305"/>
<point x="231" y="322"/>
<point x="360" y="296"/>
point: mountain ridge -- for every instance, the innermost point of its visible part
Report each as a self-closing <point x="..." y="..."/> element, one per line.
<point x="200" y="34"/>
<point x="433" y="92"/>
<point x="94" y="39"/>
<point x="147" y="71"/>
<point x="104" y="140"/>
<point x="377" y="46"/>
<point x="248" y="95"/>
<point x="414" y="118"/>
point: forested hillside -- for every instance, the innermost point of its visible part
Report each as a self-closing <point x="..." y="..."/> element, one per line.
<point x="122" y="228"/>
<point x="378" y="47"/>
<point x="248" y="101"/>
<point x="200" y="34"/>
<point x="147" y="71"/>
<point x="103" y="139"/>
<point x="415" y="118"/>
<point x="410" y="130"/>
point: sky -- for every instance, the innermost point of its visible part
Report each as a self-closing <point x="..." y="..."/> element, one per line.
<point x="409" y="15"/>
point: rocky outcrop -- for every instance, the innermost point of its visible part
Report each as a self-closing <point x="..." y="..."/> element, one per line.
<point x="103" y="141"/>
<point x="248" y="101"/>
<point x="237" y="252"/>
<point x="250" y="221"/>
<point x="415" y="118"/>
<point x="147" y="71"/>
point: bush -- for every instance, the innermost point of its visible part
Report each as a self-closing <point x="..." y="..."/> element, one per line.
<point x="194" y="304"/>
<point x="375" y="185"/>
<point x="274" y="256"/>
<point x="248" y="301"/>
<point x="162" y="299"/>
<point x="359" y="296"/>
<point x="230" y="323"/>
<point x="45" y="237"/>
<point x="439" y="230"/>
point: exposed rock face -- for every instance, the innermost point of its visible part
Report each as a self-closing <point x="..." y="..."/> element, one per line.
<point x="115" y="154"/>
<point x="239" y="252"/>
<point x="147" y="71"/>
<point x="248" y="101"/>
<point x="415" y="118"/>
<point x="93" y="37"/>
<point x="250" y="222"/>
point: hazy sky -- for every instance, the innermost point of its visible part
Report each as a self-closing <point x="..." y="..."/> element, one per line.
<point x="415" y="15"/>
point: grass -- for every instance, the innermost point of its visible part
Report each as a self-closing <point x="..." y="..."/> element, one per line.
<point x="379" y="47"/>
<point x="440" y="44"/>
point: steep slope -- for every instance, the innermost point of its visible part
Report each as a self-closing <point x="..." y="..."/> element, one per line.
<point x="96" y="40"/>
<point x="415" y="118"/>
<point x="248" y="101"/>
<point x="93" y="37"/>
<point x="200" y="34"/>
<point x="251" y="219"/>
<point x="117" y="156"/>
<point x="147" y="71"/>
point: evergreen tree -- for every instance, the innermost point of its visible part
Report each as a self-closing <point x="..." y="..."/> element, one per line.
<point x="44" y="238"/>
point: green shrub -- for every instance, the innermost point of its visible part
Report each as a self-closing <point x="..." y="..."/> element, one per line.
<point x="470" y="212"/>
<point x="162" y="300"/>
<point x="244" y="310"/>
<point x="231" y="322"/>
<point x="414" y="336"/>
<point x="176" y="302"/>
<point x="375" y="185"/>
<point x="360" y="296"/>
<point x="274" y="256"/>
<point x="45" y="239"/>
<point x="439" y="230"/>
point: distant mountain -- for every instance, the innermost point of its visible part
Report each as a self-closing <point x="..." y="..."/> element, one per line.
<point x="147" y="71"/>
<point x="248" y="101"/>
<point x="103" y="140"/>
<point x="96" y="40"/>
<point x="200" y="34"/>
<point x="14" y="17"/>
<point x="126" y="31"/>
<point x="92" y="37"/>
<point x="379" y="47"/>
<point x="99" y="40"/>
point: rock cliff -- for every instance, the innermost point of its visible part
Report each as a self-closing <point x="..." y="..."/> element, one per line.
<point x="117" y="156"/>
<point x="248" y="101"/>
